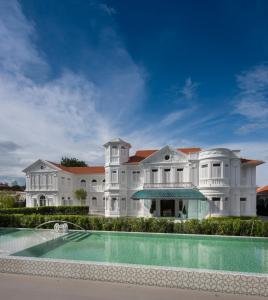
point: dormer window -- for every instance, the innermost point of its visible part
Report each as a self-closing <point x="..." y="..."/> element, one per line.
<point x="114" y="150"/>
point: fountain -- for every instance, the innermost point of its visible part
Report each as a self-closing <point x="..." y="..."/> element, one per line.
<point x="61" y="226"/>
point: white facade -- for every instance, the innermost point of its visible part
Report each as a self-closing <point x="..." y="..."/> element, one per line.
<point x="47" y="184"/>
<point x="226" y="180"/>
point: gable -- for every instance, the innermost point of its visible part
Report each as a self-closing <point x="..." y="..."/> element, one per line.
<point x="166" y="155"/>
<point x="41" y="166"/>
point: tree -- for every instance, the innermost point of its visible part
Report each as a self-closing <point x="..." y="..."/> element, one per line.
<point x="80" y="195"/>
<point x="7" y="200"/>
<point x="72" y="162"/>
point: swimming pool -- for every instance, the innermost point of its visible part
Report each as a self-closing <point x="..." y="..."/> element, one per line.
<point x="237" y="254"/>
<point x="210" y="263"/>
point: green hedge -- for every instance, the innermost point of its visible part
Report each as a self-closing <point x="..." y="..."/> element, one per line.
<point x="44" y="210"/>
<point x="237" y="227"/>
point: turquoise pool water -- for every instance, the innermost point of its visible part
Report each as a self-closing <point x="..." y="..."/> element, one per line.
<point x="188" y="251"/>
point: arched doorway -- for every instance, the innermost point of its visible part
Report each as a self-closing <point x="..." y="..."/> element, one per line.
<point x="42" y="200"/>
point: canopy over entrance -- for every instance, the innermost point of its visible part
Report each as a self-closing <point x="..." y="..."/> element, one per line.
<point x="189" y="194"/>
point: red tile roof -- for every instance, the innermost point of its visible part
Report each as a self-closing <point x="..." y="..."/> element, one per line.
<point x="189" y="150"/>
<point x="81" y="170"/>
<point x="142" y="154"/>
<point x="251" y="161"/>
<point x="262" y="189"/>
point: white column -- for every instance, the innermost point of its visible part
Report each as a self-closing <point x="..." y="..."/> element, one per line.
<point x="160" y="175"/>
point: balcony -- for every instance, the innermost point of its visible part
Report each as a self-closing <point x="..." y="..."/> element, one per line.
<point x="97" y="188"/>
<point x="213" y="182"/>
<point x="112" y="186"/>
<point x="168" y="185"/>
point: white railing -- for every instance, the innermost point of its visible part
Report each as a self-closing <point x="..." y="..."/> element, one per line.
<point x="97" y="188"/>
<point x="112" y="186"/>
<point x="41" y="188"/>
<point x="213" y="182"/>
<point x="168" y="185"/>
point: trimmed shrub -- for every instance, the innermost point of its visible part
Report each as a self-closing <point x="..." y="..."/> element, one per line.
<point x="253" y="227"/>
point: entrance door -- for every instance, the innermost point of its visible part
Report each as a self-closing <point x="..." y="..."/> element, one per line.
<point x="167" y="208"/>
<point x="42" y="200"/>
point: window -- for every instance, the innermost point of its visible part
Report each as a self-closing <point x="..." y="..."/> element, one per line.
<point x="136" y="177"/>
<point x="216" y="170"/>
<point x="154" y="175"/>
<point x="243" y="199"/>
<point x="103" y="202"/>
<point x="113" y="204"/>
<point x="167" y="157"/>
<point x="180" y="175"/>
<point x="62" y="180"/>
<point x="103" y="180"/>
<point x="83" y="183"/>
<point x="123" y="150"/>
<point x="166" y="175"/>
<point x="106" y="203"/>
<point x="114" y="150"/>
<point x="114" y="176"/>
<point x="94" y="182"/>
<point x="94" y="202"/>
<point x="216" y="204"/>
<point x="204" y="171"/>
<point x="123" y="203"/>
<point x="136" y="204"/>
<point x="63" y="201"/>
<point x="123" y="176"/>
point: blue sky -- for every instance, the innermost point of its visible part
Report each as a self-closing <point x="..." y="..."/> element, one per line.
<point x="74" y="74"/>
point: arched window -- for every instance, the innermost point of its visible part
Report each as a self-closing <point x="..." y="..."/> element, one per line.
<point x="103" y="180"/>
<point x="42" y="200"/>
<point x="94" y="182"/>
<point x="63" y="201"/>
<point x="83" y="183"/>
<point x="94" y="202"/>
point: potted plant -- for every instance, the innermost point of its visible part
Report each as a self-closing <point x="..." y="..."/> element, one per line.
<point x="153" y="207"/>
<point x="184" y="212"/>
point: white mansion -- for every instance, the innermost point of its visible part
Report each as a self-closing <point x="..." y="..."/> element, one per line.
<point x="184" y="183"/>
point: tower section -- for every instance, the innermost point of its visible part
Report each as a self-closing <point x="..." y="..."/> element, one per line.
<point x="116" y="154"/>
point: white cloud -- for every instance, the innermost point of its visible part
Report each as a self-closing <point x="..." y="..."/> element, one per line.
<point x="252" y="100"/>
<point x="189" y="89"/>
<point x="69" y="115"/>
<point x="175" y="116"/>
<point x="108" y="9"/>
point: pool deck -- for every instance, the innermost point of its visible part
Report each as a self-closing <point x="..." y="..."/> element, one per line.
<point x="25" y="287"/>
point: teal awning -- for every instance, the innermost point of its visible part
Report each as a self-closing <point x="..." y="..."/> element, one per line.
<point x="190" y="194"/>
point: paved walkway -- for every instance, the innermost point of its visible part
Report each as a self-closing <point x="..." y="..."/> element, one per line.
<point x="23" y="287"/>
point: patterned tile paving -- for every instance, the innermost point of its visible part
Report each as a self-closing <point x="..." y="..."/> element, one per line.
<point x="227" y="282"/>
